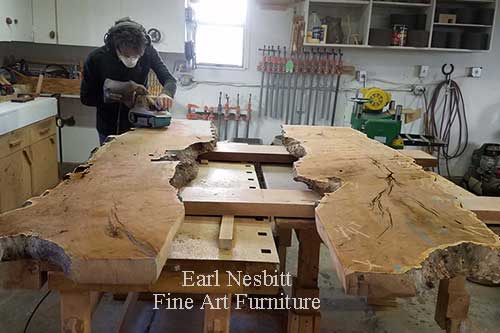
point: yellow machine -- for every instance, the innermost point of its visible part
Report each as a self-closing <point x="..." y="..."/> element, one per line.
<point x="369" y="117"/>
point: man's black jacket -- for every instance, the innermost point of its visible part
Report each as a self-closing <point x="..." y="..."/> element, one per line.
<point x="103" y="64"/>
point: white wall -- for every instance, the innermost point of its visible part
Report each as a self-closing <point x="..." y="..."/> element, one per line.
<point x="267" y="27"/>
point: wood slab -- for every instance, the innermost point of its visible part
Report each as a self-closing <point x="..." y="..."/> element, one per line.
<point x="486" y="208"/>
<point x="248" y="202"/>
<point x="242" y="152"/>
<point x="387" y="223"/>
<point x="112" y="220"/>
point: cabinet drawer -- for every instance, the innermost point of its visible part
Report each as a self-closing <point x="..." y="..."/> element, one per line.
<point x="13" y="141"/>
<point x="42" y="129"/>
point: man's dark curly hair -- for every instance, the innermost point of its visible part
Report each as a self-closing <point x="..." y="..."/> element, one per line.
<point x="126" y="34"/>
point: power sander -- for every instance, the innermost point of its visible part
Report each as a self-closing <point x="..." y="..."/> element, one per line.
<point x="143" y="112"/>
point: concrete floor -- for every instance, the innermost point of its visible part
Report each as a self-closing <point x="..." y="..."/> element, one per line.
<point x="340" y="313"/>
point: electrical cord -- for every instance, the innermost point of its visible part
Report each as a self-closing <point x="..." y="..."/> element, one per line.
<point x="442" y="122"/>
<point x="26" y="326"/>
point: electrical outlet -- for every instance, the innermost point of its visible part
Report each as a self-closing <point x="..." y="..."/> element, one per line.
<point x="361" y="76"/>
<point x="424" y="72"/>
<point x="476" y="72"/>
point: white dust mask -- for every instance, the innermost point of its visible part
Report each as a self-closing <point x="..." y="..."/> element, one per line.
<point x="129" y="62"/>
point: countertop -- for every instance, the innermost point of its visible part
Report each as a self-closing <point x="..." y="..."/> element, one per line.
<point x="18" y="115"/>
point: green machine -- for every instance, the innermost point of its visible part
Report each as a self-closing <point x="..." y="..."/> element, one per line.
<point x="368" y="116"/>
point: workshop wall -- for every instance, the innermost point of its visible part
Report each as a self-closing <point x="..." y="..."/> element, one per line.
<point x="386" y="69"/>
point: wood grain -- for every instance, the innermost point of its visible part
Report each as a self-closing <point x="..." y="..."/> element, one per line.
<point x="387" y="223"/>
<point x="112" y="220"/>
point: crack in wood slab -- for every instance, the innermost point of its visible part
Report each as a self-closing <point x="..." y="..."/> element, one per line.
<point x="112" y="220"/>
<point x="390" y="227"/>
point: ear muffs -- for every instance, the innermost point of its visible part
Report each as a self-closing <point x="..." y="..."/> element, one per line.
<point x="121" y="24"/>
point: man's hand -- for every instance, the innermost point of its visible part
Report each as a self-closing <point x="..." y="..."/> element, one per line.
<point x="124" y="92"/>
<point x="163" y="102"/>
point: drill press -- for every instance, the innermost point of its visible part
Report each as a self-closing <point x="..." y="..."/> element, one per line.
<point x="368" y="116"/>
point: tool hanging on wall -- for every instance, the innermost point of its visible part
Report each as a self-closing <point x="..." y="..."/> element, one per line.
<point x="248" y="115"/>
<point x="451" y="119"/>
<point x="237" y="116"/>
<point x="338" y="71"/>
<point x="227" y="108"/>
<point x="297" y="87"/>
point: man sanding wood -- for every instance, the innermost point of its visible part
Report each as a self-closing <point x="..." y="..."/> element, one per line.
<point x="127" y="56"/>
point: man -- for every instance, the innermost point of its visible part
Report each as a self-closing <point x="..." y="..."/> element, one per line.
<point x="127" y="56"/>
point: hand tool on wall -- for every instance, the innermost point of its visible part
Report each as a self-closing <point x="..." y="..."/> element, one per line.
<point x="262" y="68"/>
<point x="267" y="68"/>
<point x="219" y="114"/>
<point x="332" y="70"/>
<point x="311" y="71"/>
<point x="339" y="68"/>
<point x="296" y="72"/>
<point x="289" y="67"/>
<point x="284" y="80"/>
<point x="318" y="73"/>
<point x="325" y="72"/>
<point x="226" y="116"/>
<point x="272" y="73"/>
<point x="237" y="116"/>
<point x="249" y="115"/>
<point x="278" y="79"/>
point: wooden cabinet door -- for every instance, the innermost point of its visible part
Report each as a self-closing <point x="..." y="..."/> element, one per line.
<point x="165" y="16"/>
<point x="15" y="180"/>
<point x="44" y="167"/>
<point x="85" y="22"/>
<point x="44" y="21"/>
<point x="21" y="13"/>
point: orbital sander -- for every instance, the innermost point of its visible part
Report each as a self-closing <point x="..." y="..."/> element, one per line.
<point x="143" y="112"/>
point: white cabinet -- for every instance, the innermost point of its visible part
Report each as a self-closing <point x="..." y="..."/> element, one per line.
<point x="167" y="16"/>
<point x="85" y="22"/>
<point x="44" y="21"/>
<point x="16" y="20"/>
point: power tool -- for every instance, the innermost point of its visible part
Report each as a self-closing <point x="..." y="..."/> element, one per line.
<point x="368" y="116"/>
<point x="143" y="112"/>
<point x="483" y="176"/>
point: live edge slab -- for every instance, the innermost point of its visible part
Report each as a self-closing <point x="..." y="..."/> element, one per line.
<point x="112" y="220"/>
<point x="388" y="224"/>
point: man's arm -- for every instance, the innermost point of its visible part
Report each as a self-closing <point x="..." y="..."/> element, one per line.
<point x="90" y="91"/>
<point x="166" y="79"/>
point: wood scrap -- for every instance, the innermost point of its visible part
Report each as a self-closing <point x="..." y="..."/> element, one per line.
<point x="113" y="219"/>
<point x="389" y="228"/>
<point x="226" y="232"/>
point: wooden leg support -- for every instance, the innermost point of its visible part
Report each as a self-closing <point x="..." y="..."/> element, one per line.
<point x="306" y="283"/>
<point x="452" y="304"/>
<point x="284" y="241"/>
<point x="76" y="310"/>
<point x="217" y="320"/>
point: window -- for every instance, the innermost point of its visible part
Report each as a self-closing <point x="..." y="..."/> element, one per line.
<point x="220" y="32"/>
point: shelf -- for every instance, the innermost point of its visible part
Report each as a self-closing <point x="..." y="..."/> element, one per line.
<point x="368" y="14"/>
<point x="397" y="48"/>
<point x="461" y="25"/>
<point x="401" y="4"/>
<point x="342" y="2"/>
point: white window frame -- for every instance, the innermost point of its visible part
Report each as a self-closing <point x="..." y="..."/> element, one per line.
<point x="246" y="45"/>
